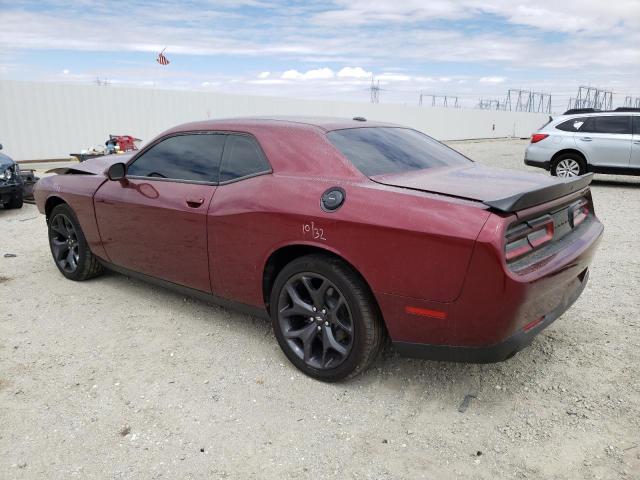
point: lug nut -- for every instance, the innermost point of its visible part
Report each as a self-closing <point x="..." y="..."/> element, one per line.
<point x="319" y="327"/>
<point x="326" y="324"/>
<point x="324" y="311"/>
<point x="314" y="309"/>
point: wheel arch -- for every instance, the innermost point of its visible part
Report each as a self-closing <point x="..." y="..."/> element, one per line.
<point x="565" y="151"/>
<point x="284" y="254"/>
<point x="51" y="203"/>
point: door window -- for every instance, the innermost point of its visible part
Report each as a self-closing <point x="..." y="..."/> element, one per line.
<point x="190" y="157"/>
<point x="636" y="124"/>
<point x="242" y="158"/>
<point x="612" y="124"/>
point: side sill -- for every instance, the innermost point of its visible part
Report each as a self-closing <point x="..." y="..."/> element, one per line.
<point x="190" y="292"/>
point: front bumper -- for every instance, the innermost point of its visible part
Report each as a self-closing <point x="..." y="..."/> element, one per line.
<point x="7" y="192"/>
<point x="499" y="351"/>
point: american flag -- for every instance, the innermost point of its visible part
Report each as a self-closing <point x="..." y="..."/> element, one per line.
<point x="162" y="60"/>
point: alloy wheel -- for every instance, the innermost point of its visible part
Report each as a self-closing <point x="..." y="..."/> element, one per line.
<point x="568" y="167"/>
<point x="64" y="243"/>
<point x="315" y="320"/>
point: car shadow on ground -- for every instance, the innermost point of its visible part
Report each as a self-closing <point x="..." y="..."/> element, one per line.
<point x="390" y="370"/>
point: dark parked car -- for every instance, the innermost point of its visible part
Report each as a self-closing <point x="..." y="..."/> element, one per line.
<point x="342" y="232"/>
<point x="10" y="182"/>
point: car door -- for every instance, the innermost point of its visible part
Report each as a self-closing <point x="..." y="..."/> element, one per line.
<point x="155" y="220"/>
<point x="606" y="140"/>
<point x="236" y="220"/>
<point x="635" y="144"/>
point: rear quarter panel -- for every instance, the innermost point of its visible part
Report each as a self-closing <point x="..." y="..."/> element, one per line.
<point x="402" y="242"/>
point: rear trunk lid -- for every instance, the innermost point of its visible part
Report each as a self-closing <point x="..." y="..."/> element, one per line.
<point x="501" y="189"/>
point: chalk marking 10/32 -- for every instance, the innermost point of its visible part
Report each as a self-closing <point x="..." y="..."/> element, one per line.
<point x="310" y="229"/>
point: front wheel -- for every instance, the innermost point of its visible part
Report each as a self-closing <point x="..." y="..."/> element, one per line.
<point x="568" y="166"/>
<point x="325" y="318"/>
<point x="69" y="247"/>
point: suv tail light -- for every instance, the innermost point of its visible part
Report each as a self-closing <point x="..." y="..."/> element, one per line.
<point x="527" y="236"/>
<point x="578" y="212"/>
<point x="536" y="137"/>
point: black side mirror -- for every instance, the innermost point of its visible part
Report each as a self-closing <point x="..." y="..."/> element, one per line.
<point x="117" y="171"/>
<point x="0" y="146"/>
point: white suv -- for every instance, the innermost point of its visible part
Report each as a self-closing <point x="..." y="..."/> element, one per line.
<point x="588" y="140"/>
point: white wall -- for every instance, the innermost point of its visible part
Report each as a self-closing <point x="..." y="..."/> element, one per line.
<point x="50" y="120"/>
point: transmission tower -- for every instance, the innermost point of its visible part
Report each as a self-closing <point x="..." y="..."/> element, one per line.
<point x="446" y="101"/>
<point x="631" y="102"/>
<point x="489" y="104"/>
<point x="592" y="97"/>
<point x="375" y="91"/>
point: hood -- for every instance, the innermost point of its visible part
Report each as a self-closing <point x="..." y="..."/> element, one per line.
<point x="503" y="189"/>
<point x="5" y="161"/>
<point x="93" y="166"/>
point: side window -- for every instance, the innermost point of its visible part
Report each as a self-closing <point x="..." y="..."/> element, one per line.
<point x="193" y="157"/>
<point x="617" y="124"/>
<point x="242" y="157"/>
<point x="573" y="125"/>
<point x="636" y="124"/>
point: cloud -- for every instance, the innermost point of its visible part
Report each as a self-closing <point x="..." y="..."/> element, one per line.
<point x="353" y="72"/>
<point x="492" y="80"/>
<point x="264" y="75"/>
<point x="392" y="77"/>
<point x="317" y="74"/>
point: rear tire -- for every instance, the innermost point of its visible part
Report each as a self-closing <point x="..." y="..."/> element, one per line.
<point x="15" y="202"/>
<point x="69" y="247"/>
<point x="325" y="318"/>
<point x="568" y="165"/>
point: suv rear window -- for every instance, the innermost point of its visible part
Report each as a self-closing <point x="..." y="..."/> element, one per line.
<point x="385" y="150"/>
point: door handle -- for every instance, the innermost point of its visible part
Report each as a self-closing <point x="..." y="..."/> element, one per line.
<point x="195" y="202"/>
<point x="637" y="142"/>
<point x="586" y="139"/>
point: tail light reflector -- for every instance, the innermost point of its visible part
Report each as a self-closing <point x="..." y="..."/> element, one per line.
<point x="578" y="212"/>
<point x="536" y="137"/>
<point x="527" y="236"/>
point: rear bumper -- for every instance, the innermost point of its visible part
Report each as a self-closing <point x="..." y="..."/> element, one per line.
<point x="499" y="351"/>
<point x="537" y="163"/>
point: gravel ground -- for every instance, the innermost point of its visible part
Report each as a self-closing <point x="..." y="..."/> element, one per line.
<point x="114" y="378"/>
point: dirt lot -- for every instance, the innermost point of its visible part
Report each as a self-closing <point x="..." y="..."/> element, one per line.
<point x="114" y="378"/>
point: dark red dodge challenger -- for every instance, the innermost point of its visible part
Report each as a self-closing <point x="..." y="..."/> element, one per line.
<point x="341" y="231"/>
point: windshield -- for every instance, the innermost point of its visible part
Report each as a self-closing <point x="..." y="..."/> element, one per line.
<point x="385" y="150"/>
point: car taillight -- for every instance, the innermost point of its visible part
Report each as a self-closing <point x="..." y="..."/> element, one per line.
<point x="536" y="137"/>
<point x="527" y="236"/>
<point x="578" y="212"/>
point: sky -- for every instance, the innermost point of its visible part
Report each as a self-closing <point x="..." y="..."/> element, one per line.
<point x="330" y="49"/>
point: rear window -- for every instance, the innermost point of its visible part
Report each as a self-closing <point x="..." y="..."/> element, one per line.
<point x="386" y="150"/>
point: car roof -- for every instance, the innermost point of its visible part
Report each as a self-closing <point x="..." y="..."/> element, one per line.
<point x="594" y="114"/>
<point x="277" y="122"/>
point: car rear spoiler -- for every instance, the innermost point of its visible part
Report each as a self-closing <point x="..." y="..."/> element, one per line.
<point x="537" y="196"/>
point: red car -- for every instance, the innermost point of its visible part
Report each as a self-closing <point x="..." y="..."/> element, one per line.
<point x="343" y="232"/>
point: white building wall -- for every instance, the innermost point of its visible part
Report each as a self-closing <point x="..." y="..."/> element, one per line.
<point x="49" y="120"/>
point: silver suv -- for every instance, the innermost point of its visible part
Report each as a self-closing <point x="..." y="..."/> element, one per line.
<point x="587" y="140"/>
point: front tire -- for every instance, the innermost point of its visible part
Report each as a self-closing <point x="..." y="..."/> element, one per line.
<point x="569" y="165"/>
<point x="325" y="318"/>
<point x="69" y="247"/>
